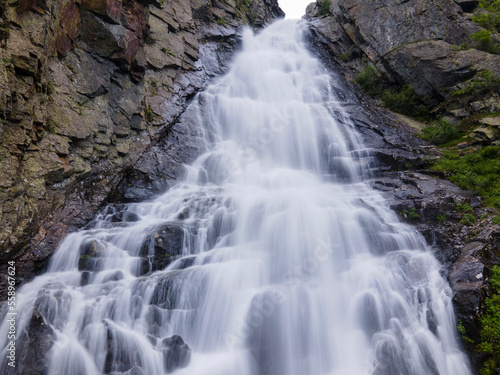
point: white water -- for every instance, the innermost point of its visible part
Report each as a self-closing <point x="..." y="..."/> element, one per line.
<point x="299" y="269"/>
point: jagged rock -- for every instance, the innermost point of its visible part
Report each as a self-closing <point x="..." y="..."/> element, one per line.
<point x="467" y="279"/>
<point x="25" y="65"/>
<point x="261" y="11"/>
<point x="491" y="121"/>
<point x="113" y="42"/>
<point x="411" y="42"/>
<point x="74" y="120"/>
<point x="432" y="67"/>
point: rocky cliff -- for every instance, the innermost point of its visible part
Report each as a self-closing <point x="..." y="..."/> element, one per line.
<point x="86" y="88"/>
<point x="437" y="56"/>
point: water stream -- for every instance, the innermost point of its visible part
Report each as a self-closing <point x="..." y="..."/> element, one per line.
<point x="289" y="263"/>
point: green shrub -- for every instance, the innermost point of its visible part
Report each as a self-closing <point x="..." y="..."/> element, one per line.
<point x="461" y="329"/>
<point x="441" y="218"/>
<point x="346" y="56"/>
<point x="410" y="214"/>
<point x="325" y="7"/>
<point x="462" y="47"/>
<point x="245" y="5"/>
<point x="406" y="102"/>
<point x="485" y="41"/>
<point x="496" y="220"/>
<point x="490" y="325"/>
<point x="148" y="113"/>
<point x="478" y="170"/>
<point x="464" y="207"/>
<point x="489" y="17"/>
<point x="483" y="82"/>
<point x="440" y="132"/>
<point x="468" y="219"/>
<point x="369" y="80"/>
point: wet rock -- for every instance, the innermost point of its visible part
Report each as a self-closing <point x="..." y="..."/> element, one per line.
<point x="91" y="253"/>
<point x="433" y="202"/>
<point x="34" y="346"/>
<point x="121" y="358"/>
<point x="176" y="353"/>
<point x="467" y="279"/>
<point x="166" y="292"/>
<point x="163" y="245"/>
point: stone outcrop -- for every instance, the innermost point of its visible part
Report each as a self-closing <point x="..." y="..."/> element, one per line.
<point x="86" y="87"/>
<point x="420" y="43"/>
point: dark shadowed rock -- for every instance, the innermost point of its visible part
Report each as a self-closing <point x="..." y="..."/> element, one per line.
<point x="163" y="245"/>
<point x="33" y="347"/>
<point x="176" y="353"/>
<point x="91" y="253"/>
<point x="467" y="279"/>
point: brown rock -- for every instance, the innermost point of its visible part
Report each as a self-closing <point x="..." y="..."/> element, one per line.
<point x="109" y="8"/>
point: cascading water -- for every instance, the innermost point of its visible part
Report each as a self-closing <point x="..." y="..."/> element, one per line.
<point x="290" y="265"/>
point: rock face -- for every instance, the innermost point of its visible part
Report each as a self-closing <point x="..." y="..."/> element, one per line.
<point x="427" y="45"/>
<point x="85" y="89"/>
<point x="413" y="42"/>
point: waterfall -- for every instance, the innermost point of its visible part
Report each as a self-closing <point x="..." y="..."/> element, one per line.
<point x="280" y="259"/>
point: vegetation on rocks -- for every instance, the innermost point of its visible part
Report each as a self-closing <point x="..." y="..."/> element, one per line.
<point x="400" y="99"/>
<point x="325" y="7"/>
<point x="482" y="83"/>
<point x="488" y="16"/>
<point x="440" y="68"/>
<point x="490" y="326"/>
<point x="477" y="170"/>
<point x="485" y="41"/>
<point x="369" y="80"/>
<point x="404" y="100"/>
<point x="440" y="132"/>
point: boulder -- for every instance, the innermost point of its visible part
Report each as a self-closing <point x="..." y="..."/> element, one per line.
<point x="91" y="254"/>
<point x="163" y="245"/>
<point x="176" y="353"/>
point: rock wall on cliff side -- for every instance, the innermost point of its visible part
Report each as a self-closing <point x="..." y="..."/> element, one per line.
<point x="86" y="87"/>
<point x="428" y="46"/>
